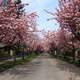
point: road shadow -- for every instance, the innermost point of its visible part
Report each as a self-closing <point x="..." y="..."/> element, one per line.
<point x="73" y="70"/>
<point x="23" y="70"/>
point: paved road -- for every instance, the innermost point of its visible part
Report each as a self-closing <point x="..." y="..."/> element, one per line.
<point x="42" y="68"/>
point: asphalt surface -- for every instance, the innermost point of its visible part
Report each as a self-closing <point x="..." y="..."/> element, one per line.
<point x="42" y="68"/>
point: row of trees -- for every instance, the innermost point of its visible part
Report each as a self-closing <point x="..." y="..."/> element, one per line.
<point x="66" y="40"/>
<point x="17" y="28"/>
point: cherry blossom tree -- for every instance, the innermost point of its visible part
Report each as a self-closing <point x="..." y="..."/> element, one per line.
<point x="68" y="15"/>
<point x="50" y="43"/>
<point x="16" y="27"/>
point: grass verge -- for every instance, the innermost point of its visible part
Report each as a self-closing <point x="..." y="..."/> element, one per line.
<point x="10" y="64"/>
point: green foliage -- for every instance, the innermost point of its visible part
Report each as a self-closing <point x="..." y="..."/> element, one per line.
<point x="9" y="64"/>
<point x="4" y="54"/>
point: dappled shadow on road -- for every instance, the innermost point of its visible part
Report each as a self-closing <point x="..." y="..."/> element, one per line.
<point x="24" y="70"/>
<point x="48" y="65"/>
<point x="72" y="70"/>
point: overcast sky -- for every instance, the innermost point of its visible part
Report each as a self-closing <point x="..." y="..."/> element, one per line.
<point x="39" y="6"/>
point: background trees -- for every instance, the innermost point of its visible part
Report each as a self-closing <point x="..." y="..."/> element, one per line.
<point x="68" y="15"/>
<point x="16" y="26"/>
<point x="67" y="38"/>
<point x="18" y="29"/>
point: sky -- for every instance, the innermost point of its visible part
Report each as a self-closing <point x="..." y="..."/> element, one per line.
<point x="39" y="6"/>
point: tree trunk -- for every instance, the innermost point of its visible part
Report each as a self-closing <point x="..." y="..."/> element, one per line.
<point x="73" y="55"/>
<point x="64" y="56"/>
<point x="23" y="55"/>
<point x="14" y="57"/>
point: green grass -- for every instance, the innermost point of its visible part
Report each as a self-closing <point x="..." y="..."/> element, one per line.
<point x="10" y="64"/>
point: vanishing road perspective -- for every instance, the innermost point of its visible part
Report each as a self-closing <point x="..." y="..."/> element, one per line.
<point x="39" y="39"/>
<point x="42" y="68"/>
